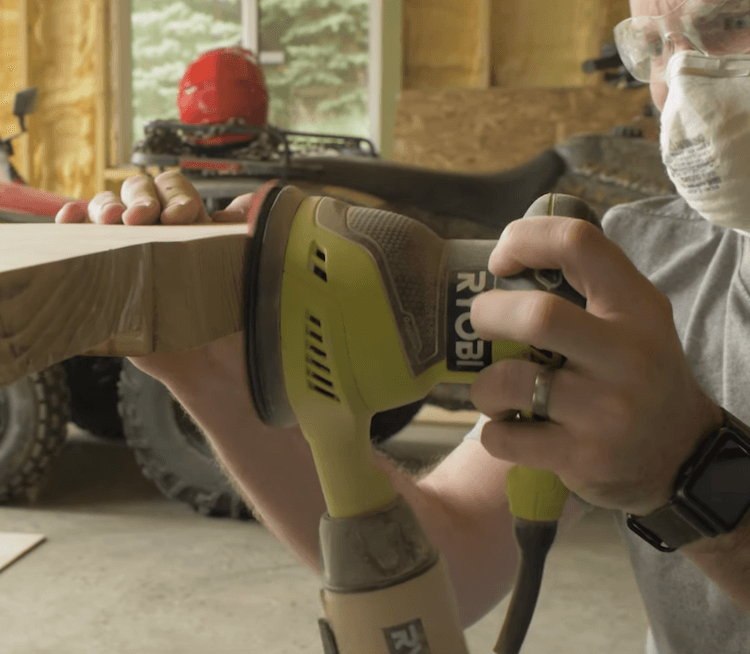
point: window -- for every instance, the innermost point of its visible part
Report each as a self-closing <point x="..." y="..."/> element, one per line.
<point x="323" y="59"/>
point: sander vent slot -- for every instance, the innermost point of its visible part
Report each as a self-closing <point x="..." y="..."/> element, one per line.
<point x="317" y="351"/>
<point x="315" y="335"/>
<point x="319" y="376"/>
<point x="322" y="380"/>
<point x="318" y="365"/>
<point x="317" y="262"/>
<point x="324" y="392"/>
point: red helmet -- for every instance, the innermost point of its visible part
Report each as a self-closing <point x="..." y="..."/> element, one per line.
<point x="222" y="84"/>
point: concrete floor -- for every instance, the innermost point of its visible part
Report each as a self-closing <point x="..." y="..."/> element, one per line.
<point x="125" y="571"/>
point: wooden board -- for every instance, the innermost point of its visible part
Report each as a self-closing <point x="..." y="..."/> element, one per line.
<point x="114" y="289"/>
<point x="14" y="546"/>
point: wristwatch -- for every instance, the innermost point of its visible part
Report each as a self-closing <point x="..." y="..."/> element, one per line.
<point x="711" y="492"/>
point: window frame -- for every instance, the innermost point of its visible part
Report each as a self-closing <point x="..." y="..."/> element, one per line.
<point x="385" y="78"/>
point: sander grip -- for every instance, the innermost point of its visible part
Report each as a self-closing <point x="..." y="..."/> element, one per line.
<point x="537" y="497"/>
<point x="539" y="494"/>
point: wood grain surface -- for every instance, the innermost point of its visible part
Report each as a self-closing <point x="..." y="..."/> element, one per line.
<point x="113" y="289"/>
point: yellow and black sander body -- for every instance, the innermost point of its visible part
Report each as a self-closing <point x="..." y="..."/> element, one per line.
<point x="350" y="311"/>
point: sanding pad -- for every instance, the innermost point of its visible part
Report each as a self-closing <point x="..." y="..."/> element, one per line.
<point x="257" y="201"/>
<point x="270" y="215"/>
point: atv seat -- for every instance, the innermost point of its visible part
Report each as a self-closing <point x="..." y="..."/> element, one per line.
<point x="490" y="199"/>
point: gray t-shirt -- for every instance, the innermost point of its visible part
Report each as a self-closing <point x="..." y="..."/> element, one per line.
<point x="704" y="269"/>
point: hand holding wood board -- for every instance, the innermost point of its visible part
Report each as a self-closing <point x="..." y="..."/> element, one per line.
<point x="117" y="290"/>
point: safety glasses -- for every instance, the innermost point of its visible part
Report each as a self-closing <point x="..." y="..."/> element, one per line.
<point x="711" y="27"/>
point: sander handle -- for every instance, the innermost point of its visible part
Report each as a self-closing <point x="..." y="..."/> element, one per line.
<point x="539" y="494"/>
<point x="537" y="497"/>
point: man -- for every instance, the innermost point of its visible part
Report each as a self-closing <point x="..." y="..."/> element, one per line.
<point x="636" y="396"/>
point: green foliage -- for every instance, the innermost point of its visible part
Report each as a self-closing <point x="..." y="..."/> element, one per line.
<point x="324" y="80"/>
<point x="321" y="86"/>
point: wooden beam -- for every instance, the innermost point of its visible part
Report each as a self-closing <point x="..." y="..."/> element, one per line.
<point x="385" y="70"/>
<point x="116" y="290"/>
<point x="116" y="77"/>
<point x="102" y="97"/>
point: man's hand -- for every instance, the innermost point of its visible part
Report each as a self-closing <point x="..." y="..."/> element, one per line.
<point x="168" y="198"/>
<point x="625" y="410"/>
<point x="171" y="200"/>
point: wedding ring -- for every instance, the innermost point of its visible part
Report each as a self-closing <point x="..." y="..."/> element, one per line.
<point x="540" y="398"/>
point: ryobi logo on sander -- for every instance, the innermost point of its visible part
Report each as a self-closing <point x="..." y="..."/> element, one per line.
<point x="465" y="351"/>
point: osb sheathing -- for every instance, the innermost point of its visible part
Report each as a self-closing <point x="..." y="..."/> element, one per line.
<point x="495" y="129"/>
<point x="65" y="61"/>
<point x="10" y="74"/>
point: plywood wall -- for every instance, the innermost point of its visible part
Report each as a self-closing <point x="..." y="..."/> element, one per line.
<point x="488" y="84"/>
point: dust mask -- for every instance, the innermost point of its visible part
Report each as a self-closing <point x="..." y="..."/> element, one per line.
<point x="705" y="135"/>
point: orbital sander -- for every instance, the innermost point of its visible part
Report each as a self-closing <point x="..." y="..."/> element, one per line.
<point x="350" y="311"/>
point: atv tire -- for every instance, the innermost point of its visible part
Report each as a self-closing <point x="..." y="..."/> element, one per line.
<point x="171" y="450"/>
<point x="93" y="395"/>
<point x="389" y="423"/>
<point x="34" y="415"/>
<point x="173" y="453"/>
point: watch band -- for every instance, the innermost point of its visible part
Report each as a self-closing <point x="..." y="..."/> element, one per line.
<point x="666" y="529"/>
<point x="681" y="521"/>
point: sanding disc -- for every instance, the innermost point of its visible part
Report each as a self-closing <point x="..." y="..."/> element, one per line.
<point x="270" y="216"/>
<point x="258" y="199"/>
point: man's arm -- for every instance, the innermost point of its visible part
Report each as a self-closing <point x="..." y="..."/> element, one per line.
<point x="726" y="560"/>
<point x="626" y="410"/>
<point x="461" y="504"/>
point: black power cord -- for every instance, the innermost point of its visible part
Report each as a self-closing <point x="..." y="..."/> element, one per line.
<point x="534" y="540"/>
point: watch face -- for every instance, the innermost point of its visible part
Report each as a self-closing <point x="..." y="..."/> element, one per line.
<point x="721" y="485"/>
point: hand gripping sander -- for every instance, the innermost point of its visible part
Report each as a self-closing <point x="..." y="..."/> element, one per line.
<point x="350" y="311"/>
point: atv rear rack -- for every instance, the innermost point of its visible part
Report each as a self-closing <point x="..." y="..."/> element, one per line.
<point x="172" y="143"/>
